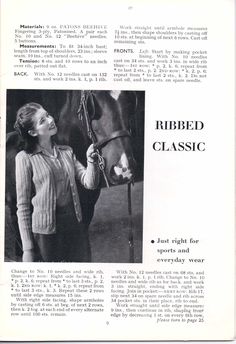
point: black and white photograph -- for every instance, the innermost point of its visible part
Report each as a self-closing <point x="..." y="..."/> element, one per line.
<point x="74" y="176"/>
<point x="117" y="135"/>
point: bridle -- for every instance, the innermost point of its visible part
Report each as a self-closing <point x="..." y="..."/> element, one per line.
<point x="98" y="144"/>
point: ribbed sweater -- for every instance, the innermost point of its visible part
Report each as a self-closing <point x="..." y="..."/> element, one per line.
<point x="36" y="190"/>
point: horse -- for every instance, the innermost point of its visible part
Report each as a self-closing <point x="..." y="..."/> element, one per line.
<point x="102" y="117"/>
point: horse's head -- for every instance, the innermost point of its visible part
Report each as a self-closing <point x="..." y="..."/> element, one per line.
<point x="110" y="113"/>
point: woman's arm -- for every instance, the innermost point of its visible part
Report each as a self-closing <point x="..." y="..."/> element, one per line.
<point x="24" y="194"/>
<point x="90" y="176"/>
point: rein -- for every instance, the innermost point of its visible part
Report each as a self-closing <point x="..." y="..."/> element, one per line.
<point x="84" y="110"/>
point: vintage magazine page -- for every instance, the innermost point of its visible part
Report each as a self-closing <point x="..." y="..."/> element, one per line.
<point x="117" y="161"/>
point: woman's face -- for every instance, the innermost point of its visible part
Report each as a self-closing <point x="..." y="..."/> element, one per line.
<point x="43" y="124"/>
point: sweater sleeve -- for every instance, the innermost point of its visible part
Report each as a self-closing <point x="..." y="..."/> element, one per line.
<point x="89" y="177"/>
<point x="24" y="195"/>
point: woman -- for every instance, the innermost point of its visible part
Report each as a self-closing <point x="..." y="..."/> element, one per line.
<point x="48" y="206"/>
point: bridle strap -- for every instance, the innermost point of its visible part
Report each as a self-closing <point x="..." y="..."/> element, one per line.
<point x="113" y="136"/>
<point x="83" y="109"/>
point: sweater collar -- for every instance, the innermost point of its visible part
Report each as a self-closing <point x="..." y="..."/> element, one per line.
<point x="39" y="149"/>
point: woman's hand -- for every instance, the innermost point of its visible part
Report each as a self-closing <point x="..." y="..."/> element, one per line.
<point x="28" y="256"/>
<point x="91" y="154"/>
